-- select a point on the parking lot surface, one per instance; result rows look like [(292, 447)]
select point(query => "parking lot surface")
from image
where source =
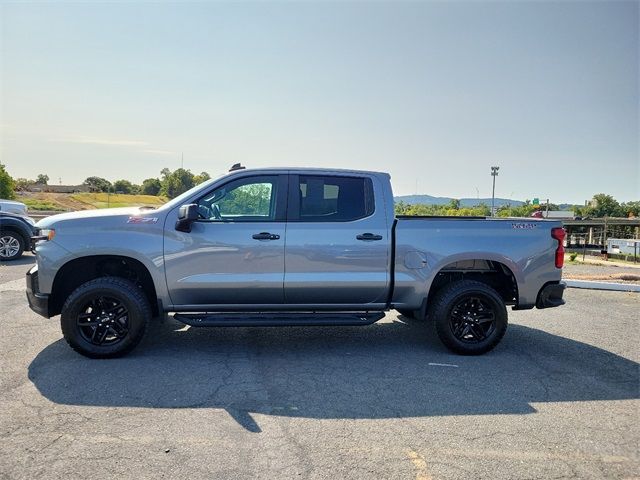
[(558, 398)]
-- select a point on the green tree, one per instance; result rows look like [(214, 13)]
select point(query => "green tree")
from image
[(124, 186), (97, 184), (254, 199), (7, 185), (401, 208), (451, 209), (203, 177), (176, 182), (42, 179), (631, 209), (454, 204), (151, 186), (604, 205)]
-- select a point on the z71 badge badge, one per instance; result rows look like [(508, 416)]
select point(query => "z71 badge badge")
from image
[(142, 220)]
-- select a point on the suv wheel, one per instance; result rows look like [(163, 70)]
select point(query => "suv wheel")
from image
[(11, 245), (105, 317)]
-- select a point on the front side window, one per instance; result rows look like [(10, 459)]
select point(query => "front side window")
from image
[(246, 199), (334, 199)]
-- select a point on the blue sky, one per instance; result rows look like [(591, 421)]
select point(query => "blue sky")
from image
[(434, 93)]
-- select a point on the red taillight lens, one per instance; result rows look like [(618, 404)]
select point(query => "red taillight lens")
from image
[(559, 234)]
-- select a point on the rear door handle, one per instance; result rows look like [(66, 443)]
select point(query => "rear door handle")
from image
[(368, 237), (265, 236)]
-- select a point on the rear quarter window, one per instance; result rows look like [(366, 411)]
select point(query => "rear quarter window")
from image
[(334, 199)]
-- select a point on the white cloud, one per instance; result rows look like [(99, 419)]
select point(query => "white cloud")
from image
[(102, 141)]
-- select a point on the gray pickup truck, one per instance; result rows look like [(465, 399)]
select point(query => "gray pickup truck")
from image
[(276, 247)]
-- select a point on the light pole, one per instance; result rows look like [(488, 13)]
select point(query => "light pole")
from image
[(494, 174)]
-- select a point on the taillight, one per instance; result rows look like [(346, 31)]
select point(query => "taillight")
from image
[(559, 234)]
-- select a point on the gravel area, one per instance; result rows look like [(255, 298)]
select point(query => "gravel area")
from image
[(590, 271)]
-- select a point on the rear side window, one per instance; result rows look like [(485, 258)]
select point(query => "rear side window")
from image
[(334, 199)]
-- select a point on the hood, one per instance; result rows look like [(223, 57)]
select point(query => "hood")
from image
[(92, 214), (11, 206)]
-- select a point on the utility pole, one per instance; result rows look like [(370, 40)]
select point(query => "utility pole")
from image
[(182, 160), (494, 174)]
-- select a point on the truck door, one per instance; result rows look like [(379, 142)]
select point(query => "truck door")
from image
[(338, 241), (234, 253)]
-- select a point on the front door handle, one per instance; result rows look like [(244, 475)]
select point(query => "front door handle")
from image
[(368, 237), (265, 236)]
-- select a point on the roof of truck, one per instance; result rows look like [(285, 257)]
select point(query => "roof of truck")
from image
[(309, 169)]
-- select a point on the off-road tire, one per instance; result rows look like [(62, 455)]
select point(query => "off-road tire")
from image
[(124, 291), (457, 293)]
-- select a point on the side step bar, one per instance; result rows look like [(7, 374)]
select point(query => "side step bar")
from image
[(278, 319)]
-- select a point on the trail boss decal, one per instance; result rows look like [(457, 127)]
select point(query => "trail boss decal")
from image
[(142, 220), (525, 226)]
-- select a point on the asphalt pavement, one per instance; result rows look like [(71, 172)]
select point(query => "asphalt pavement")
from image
[(558, 398)]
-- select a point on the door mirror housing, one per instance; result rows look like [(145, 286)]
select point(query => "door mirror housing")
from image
[(186, 216)]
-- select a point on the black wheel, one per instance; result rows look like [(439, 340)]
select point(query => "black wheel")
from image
[(470, 317), (407, 313), (11, 245), (105, 317)]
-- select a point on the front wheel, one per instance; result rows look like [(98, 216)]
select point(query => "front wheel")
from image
[(105, 317), (470, 317), (11, 245)]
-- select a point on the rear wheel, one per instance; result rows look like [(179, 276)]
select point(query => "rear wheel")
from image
[(105, 317), (470, 317), (11, 245)]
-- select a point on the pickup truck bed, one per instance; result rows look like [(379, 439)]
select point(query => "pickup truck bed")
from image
[(498, 251)]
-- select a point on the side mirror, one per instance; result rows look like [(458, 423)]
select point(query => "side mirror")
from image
[(186, 216)]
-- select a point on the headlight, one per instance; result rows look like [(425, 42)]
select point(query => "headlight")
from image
[(47, 232)]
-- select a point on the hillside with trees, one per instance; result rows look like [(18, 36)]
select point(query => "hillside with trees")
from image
[(170, 184)]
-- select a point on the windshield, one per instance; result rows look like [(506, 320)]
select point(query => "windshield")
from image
[(180, 199)]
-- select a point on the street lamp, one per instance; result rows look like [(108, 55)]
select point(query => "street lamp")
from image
[(494, 174)]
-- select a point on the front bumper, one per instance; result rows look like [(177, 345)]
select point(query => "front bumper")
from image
[(38, 302), (551, 295)]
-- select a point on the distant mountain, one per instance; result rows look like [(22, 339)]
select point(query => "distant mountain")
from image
[(464, 202)]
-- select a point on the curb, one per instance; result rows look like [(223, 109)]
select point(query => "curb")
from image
[(591, 285)]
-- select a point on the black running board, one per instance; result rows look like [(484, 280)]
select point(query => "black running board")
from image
[(278, 319)]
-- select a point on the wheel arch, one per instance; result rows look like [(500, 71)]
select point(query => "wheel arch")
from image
[(495, 273), (8, 227), (83, 269)]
